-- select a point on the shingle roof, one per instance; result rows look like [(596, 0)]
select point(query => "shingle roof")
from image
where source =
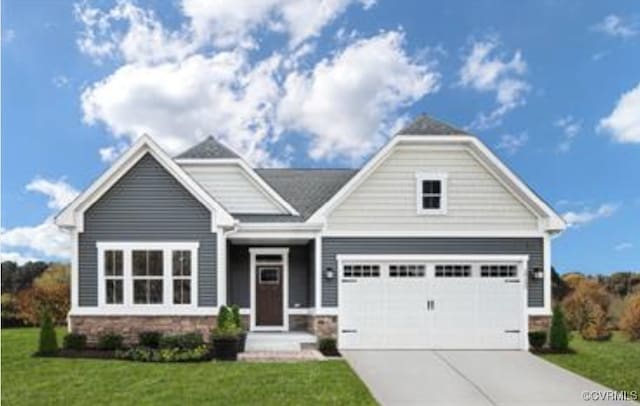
[(425, 125), (210, 148), (305, 189)]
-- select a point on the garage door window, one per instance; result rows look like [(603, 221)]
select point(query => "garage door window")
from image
[(498, 271), (361, 271), (406, 271), (453, 271)]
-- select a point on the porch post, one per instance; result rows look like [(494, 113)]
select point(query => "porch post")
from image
[(318, 273), (221, 273)]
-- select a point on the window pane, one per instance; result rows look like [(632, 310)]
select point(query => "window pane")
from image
[(181, 291), (140, 291), (155, 291), (431, 202), (108, 262), (155, 263), (181, 263), (113, 263), (114, 291), (139, 263), (431, 187)]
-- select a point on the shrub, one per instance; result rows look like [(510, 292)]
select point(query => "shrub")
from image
[(110, 341), (150, 339), (187, 341), (595, 325), (537, 339), (145, 354), (630, 318), (73, 341), (225, 317), (558, 337), (235, 312), (328, 346), (48, 341), (576, 304), (49, 292)]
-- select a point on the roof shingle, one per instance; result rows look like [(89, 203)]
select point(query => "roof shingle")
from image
[(425, 125), (210, 148)]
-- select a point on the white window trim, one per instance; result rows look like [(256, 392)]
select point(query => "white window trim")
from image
[(284, 252), (442, 178), (167, 306)]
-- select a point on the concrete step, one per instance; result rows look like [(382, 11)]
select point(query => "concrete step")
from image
[(279, 341)]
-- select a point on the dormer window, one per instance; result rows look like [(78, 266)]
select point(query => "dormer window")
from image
[(431, 193)]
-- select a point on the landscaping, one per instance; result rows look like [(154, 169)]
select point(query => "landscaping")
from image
[(29, 380), (614, 363)]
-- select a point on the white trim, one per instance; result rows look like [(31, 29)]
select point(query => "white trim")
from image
[(553, 222), (275, 235), (300, 311), (430, 258), (73, 214), (221, 269), (157, 311), (128, 306), (318, 272), (256, 179), (436, 233), (286, 226), (431, 176), (74, 269), (284, 252)]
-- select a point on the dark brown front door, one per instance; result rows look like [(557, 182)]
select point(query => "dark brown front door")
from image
[(269, 295)]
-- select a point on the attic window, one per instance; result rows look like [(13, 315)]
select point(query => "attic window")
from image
[(431, 193)]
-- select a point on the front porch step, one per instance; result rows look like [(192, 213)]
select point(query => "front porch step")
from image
[(279, 341), (281, 356)]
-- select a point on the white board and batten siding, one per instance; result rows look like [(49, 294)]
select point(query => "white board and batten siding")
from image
[(476, 200), (233, 188)]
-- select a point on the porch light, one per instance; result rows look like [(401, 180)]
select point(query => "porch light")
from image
[(536, 273), (328, 273)]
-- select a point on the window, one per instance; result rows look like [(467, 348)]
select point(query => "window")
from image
[(361, 271), (147, 267), (453, 271), (406, 271), (498, 271), (269, 276), (181, 275), (431, 193), (113, 277)]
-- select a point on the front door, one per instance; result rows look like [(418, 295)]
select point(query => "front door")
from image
[(269, 295)]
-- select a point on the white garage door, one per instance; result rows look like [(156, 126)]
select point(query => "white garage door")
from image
[(422, 303)]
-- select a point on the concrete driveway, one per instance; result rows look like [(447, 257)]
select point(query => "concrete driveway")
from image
[(468, 378)]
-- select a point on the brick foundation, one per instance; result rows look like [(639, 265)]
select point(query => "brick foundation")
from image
[(130, 326), (325, 326), (539, 323)]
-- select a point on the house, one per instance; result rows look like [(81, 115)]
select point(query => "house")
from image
[(433, 243)]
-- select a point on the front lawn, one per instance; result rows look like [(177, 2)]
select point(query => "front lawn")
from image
[(27, 380), (614, 363)]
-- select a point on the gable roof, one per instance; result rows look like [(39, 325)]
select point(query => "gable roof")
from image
[(210, 148), (306, 190), (425, 125), (73, 214)]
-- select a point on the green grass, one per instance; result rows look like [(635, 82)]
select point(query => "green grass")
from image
[(28, 380), (614, 363)]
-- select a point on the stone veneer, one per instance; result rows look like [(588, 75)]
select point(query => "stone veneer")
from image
[(130, 326), (539, 323), (325, 326)]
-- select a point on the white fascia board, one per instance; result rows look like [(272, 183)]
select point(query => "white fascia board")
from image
[(73, 215), (253, 177), (553, 222), (278, 226)]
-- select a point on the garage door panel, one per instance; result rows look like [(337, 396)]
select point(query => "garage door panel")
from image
[(404, 315)]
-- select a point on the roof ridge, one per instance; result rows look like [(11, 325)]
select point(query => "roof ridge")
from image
[(209, 148), (425, 124)]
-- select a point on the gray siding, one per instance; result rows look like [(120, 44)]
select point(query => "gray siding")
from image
[(300, 275), (507, 246), (147, 204)]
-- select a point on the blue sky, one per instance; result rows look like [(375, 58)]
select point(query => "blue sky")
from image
[(552, 87)]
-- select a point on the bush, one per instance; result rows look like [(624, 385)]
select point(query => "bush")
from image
[(578, 304), (237, 319), (49, 292), (630, 318), (537, 339), (328, 346), (558, 336), (595, 325), (73, 341), (110, 341), (145, 354), (150, 339), (225, 317), (48, 341), (187, 341)]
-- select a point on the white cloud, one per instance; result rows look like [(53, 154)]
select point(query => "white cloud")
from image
[(623, 246), (488, 71), (17, 257), (59, 192), (44, 239), (183, 95), (623, 124), (60, 81), (570, 129), (512, 143), (9, 36), (585, 216), (110, 154), (617, 26), (347, 103)]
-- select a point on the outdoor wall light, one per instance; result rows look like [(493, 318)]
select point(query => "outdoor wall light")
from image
[(537, 273), (329, 274)]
